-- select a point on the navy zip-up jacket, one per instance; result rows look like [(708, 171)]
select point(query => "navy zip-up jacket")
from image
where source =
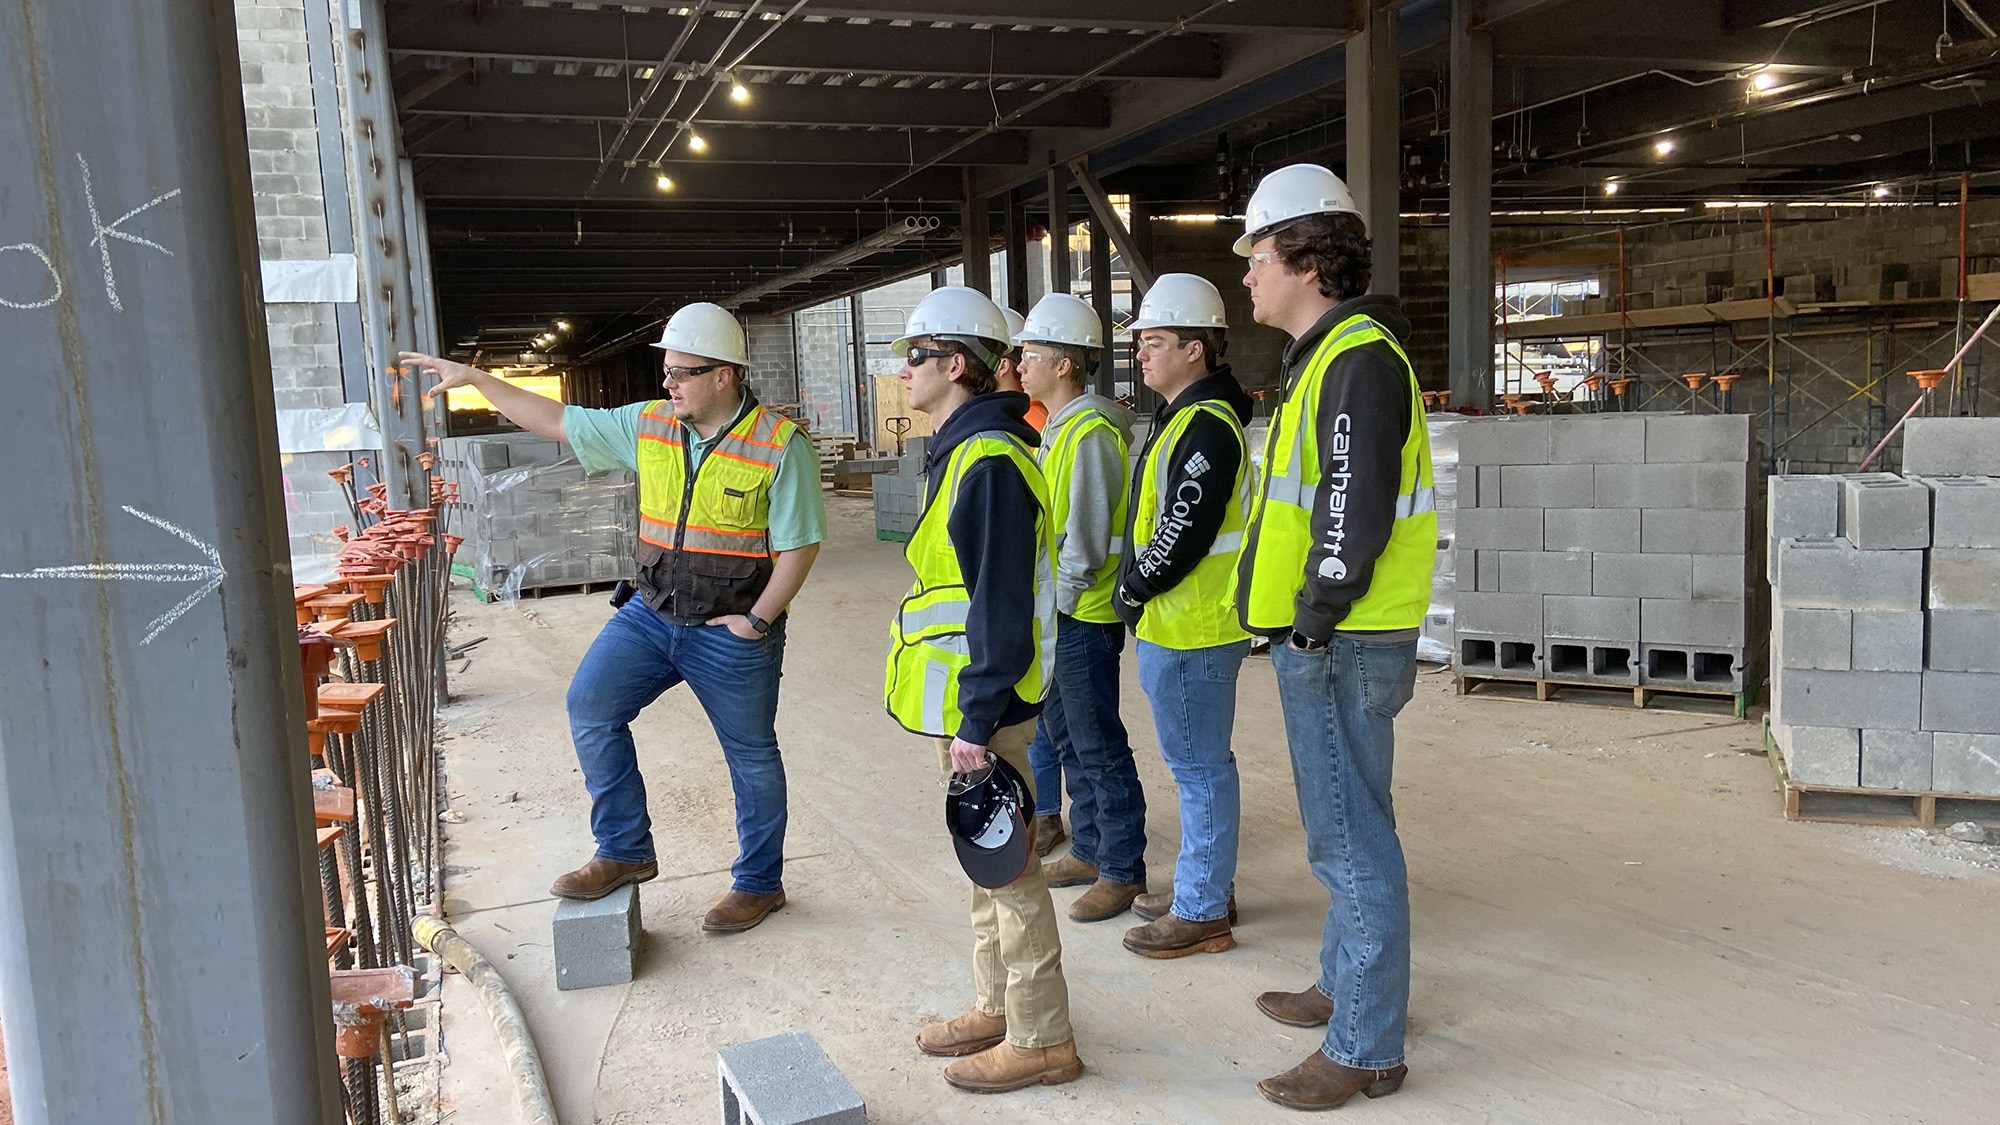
[(992, 529)]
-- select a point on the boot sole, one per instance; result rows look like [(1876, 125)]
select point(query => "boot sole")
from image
[(1077, 881), (1100, 917), (1046, 1078), (1221, 943), (629, 880), (960, 1050), (739, 927), (1380, 1089)]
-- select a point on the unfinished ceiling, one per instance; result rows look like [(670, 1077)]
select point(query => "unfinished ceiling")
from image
[(793, 130)]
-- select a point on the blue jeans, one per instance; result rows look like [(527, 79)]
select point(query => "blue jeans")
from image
[(1193, 693), (1107, 810), (637, 657), (1340, 707), (1047, 762)]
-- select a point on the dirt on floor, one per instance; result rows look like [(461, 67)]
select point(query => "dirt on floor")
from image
[(1613, 921)]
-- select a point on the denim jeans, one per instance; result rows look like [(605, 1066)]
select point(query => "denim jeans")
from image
[(1047, 763), (1340, 707), (1193, 694), (638, 656), (1107, 810)]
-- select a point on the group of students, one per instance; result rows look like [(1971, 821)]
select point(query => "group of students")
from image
[(1035, 554)]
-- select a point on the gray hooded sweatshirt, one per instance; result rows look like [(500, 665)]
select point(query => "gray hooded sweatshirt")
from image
[(1086, 542)]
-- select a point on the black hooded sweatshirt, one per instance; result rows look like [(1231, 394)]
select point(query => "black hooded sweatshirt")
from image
[(992, 529), (1364, 417), (1207, 452)]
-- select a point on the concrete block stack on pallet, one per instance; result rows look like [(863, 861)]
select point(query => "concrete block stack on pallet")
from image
[(533, 520), (1886, 633), (1612, 549), (899, 495)]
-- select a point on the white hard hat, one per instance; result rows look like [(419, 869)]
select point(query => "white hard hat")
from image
[(1181, 300), (706, 330), (1015, 322), (963, 314), (1293, 192), (1060, 318)]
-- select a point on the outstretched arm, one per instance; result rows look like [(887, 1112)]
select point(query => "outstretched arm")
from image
[(522, 407)]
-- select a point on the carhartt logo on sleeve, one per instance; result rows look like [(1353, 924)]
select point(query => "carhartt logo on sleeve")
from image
[(1333, 568)]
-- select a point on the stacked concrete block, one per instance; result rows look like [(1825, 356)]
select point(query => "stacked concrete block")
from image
[(531, 517), (1885, 638), (1615, 549), (900, 495)]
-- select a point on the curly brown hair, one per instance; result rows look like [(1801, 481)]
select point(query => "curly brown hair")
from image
[(1336, 246)]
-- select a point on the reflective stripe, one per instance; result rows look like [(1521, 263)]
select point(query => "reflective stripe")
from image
[(937, 684), (1415, 503), (1118, 544), (1289, 490), (952, 612), (1226, 544)]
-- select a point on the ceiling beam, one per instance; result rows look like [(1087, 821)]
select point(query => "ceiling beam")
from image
[(1328, 17), (485, 138), (493, 93), (591, 38), (694, 183)]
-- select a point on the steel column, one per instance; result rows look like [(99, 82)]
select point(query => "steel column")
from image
[(382, 243), (1106, 216), (1470, 257), (1016, 238), (864, 409), (160, 929), (1374, 141), (975, 238), (1059, 259), (1100, 296)]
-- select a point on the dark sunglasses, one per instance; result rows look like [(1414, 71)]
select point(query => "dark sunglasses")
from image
[(919, 356)]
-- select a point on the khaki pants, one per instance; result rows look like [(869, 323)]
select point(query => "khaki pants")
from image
[(1016, 951)]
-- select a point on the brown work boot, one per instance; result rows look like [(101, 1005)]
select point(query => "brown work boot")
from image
[(1310, 1008), (1157, 904), (1048, 833), (1005, 1067), (1069, 871), (1321, 1083), (1175, 936), (1104, 899), (737, 911), (968, 1034), (600, 877)]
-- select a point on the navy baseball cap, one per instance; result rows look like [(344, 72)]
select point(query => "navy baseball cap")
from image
[(986, 813)]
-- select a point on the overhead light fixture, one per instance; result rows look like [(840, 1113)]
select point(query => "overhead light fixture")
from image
[(1664, 146), (1883, 191), (1611, 187), (1761, 81), (562, 325), (738, 92), (696, 143), (664, 183)]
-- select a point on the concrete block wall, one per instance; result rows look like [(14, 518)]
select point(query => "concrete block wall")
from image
[(283, 135), (1885, 641), (774, 369), (1610, 548)]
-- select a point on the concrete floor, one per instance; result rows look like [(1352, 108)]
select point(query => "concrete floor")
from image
[(1614, 923)]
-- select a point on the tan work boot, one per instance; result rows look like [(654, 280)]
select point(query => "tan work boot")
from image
[(1104, 899), (600, 877), (1005, 1067), (737, 911), (1321, 1083), (1048, 833), (1175, 936), (1310, 1008), (1069, 871), (968, 1034), (1157, 904)]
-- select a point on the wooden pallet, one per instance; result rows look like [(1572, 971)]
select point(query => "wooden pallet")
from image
[(893, 536), (1884, 808), (1736, 703)]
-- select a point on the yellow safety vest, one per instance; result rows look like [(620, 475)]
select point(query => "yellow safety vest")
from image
[(928, 647), (1272, 570), (1058, 460), (1200, 611), (726, 508)]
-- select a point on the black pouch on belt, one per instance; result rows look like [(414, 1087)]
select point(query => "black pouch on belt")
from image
[(622, 593)]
